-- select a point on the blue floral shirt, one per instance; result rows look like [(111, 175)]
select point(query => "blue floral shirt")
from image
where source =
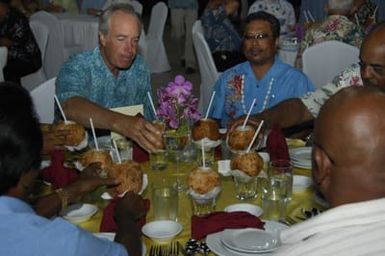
[(237, 87), (183, 4), (219, 32), (86, 75)]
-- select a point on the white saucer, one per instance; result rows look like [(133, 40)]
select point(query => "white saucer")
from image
[(162, 230), (250, 208), (77, 213)]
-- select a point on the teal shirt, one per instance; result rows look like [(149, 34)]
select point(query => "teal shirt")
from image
[(183, 4), (86, 75)]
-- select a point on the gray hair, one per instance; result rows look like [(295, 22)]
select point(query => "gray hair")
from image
[(104, 19), (340, 6)]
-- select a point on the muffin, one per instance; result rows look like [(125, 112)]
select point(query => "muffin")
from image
[(203, 180), (130, 176), (76, 132), (206, 128), (250, 163), (96, 156)]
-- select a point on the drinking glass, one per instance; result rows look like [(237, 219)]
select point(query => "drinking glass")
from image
[(282, 170), (164, 201), (273, 196)]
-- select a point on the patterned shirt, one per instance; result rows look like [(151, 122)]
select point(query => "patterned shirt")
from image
[(219, 32), (335, 27), (281, 9), (364, 13), (16, 27), (183, 4), (349, 77), (237, 87), (86, 75)]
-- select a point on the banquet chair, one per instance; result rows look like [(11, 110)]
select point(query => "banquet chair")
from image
[(40, 31), (208, 71), (323, 61), (43, 100), (155, 55), (57, 52)]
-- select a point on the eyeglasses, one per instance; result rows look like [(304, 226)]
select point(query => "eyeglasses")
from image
[(256, 36)]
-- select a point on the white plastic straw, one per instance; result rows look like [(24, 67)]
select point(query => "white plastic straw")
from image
[(203, 155), (306, 17), (248, 113), (60, 108), (152, 103), (255, 136), (211, 102), (310, 16), (117, 151), (93, 133)]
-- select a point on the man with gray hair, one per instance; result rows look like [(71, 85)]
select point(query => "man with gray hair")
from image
[(112, 75), (336, 26)]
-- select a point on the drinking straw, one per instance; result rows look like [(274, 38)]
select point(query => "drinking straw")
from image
[(203, 155), (60, 108), (117, 151), (310, 15), (255, 136), (306, 17), (152, 103), (93, 133), (211, 101), (248, 113)]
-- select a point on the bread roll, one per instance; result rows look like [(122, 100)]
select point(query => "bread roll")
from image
[(240, 138), (203, 181), (76, 132), (130, 176), (206, 128), (250, 163), (96, 156)]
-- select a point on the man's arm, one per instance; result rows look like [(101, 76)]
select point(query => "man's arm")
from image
[(136, 128)]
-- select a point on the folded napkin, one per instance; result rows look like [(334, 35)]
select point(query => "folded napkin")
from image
[(276, 144), (108, 223), (57, 174), (218, 221), (138, 154)]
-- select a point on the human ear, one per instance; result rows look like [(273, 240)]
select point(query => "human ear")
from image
[(102, 39), (321, 168)]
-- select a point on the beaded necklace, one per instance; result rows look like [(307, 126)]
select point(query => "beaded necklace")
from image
[(269, 89)]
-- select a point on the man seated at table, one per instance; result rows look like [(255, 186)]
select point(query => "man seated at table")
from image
[(24, 56), (26, 233), (281, 9), (370, 72), (263, 77), (112, 75), (348, 168), (336, 26)]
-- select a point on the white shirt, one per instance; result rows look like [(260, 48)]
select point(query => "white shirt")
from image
[(351, 229)]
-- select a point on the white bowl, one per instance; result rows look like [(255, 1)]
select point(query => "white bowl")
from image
[(301, 182), (250, 208), (162, 230), (79, 212)]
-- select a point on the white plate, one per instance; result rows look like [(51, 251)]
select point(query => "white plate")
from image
[(249, 240), (107, 196), (162, 230), (111, 236), (214, 241), (301, 165), (77, 213), (300, 154), (250, 208), (301, 182)]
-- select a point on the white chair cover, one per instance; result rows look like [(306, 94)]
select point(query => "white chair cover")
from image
[(208, 71), (138, 7), (3, 61), (323, 61), (43, 100), (156, 56), (40, 31), (56, 52)]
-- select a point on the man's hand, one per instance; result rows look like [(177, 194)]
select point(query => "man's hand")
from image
[(130, 206), (53, 139)]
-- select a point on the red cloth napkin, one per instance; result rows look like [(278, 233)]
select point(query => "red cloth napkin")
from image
[(218, 221), (108, 223), (276, 144), (57, 174), (139, 155)]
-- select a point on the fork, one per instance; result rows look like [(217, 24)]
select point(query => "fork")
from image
[(155, 250)]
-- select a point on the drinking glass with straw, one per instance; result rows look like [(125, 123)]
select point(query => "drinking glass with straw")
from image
[(210, 103)]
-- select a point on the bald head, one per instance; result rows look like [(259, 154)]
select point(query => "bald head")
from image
[(372, 57), (349, 151)]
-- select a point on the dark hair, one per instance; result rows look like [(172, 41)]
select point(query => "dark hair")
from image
[(20, 135), (261, 15)]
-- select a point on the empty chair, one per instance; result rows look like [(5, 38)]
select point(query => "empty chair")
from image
[(155, 55), (56, 52), (207, 68), (43, 100), (323, 61), (40, 31)]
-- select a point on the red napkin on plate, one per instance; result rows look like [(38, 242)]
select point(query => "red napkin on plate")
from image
[(276, 144), (108, 223), (57, 174), (218, 221)]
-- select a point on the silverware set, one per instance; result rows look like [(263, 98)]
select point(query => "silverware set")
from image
[(171, 249), (305, 214)]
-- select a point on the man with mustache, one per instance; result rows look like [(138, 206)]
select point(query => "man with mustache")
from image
[(263, 77), (112, 75)]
